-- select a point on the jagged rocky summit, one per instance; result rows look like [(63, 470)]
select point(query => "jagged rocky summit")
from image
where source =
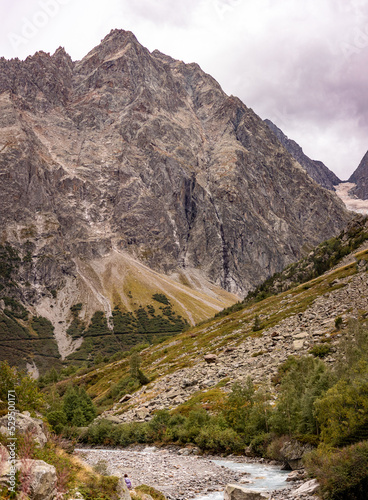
[(315, 168), (360, 178), (133, 152)]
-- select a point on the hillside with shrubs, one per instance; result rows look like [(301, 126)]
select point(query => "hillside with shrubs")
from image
[(289, 367)]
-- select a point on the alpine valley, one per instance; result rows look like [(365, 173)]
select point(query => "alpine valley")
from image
[(174, 271)]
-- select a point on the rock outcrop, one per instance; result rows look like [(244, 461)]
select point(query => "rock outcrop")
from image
[(293, 453), (122, 489), (26, 424), (360, 178), (40, 476), (237, 492), (316, 169)]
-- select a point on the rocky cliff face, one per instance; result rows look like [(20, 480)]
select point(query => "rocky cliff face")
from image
[(316, 169), (360, 178), (131, 151)]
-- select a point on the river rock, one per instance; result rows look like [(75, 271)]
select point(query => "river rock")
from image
[(43, 486), (307, 488), (295, 475), (237, 492)]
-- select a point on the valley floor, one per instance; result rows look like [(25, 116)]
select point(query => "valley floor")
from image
[(178, 476)]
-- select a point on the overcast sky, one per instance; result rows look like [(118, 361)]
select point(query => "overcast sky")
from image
[(301, 63)]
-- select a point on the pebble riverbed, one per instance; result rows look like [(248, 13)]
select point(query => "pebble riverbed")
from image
[(177, 476)]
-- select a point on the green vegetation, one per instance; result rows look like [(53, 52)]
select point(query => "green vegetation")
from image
[(21, 344), (74, 409), (160, 297), (27, 393), (71, 475), (338, 323), (325, 406), (15, 309), (342, 474), (22, 339), (128, 384), (126, 329), (320, 350), (149, 490), (257, 324)]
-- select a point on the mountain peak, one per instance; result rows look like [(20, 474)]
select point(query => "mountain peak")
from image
[(314, 168), (119, 36), (359, 177)]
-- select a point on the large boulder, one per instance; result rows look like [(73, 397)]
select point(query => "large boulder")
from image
[(293, 453), (25, 423), (237, 492), (43, 485), (43, 478), (210, 358)]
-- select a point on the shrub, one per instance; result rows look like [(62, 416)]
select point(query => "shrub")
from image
[(99, 488), (214, 438), (338, 322), (57, 419), (320, 350), (149, 490), (160, 297), (257, 324), (260, 443), (28, 395), (100, 433), (341, 474)]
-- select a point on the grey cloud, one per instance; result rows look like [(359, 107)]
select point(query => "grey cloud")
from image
[(165, 11)]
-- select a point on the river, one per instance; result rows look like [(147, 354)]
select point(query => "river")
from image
[(261, 477), (183, 477)]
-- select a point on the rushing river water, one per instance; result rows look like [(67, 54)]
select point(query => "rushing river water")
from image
[(262, 477)]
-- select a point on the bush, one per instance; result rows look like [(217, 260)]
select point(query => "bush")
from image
[(338, 322), (100, 488), (28, 396), (214, 438), (57, 419), (260, 443), (257, 324), (149, 490), (100, 433), (342, 474), (157, 426), (320, 350)]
